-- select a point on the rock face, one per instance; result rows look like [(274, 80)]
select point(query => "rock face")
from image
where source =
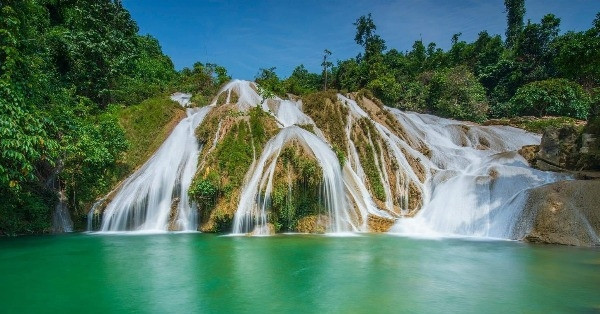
[(558, 148), (568, 148), (566, 212)]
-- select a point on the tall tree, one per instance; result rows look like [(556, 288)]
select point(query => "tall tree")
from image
[(326, 64), (365, 29), (515, 11)]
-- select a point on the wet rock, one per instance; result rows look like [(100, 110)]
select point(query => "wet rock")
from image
[(529, 152), (566, 212), (173, 225), (379, 224), (313, 224), (557, 149)]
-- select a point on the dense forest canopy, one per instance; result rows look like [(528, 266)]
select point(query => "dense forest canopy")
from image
[(70, 68), (66, 69)]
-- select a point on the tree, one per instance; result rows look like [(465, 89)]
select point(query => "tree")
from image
[(365, 30), (302, 82), (268, 80), (533, 48), (578, 55), (515, 11), (556, 97), (456, 93), (326, 64), (366, 37)]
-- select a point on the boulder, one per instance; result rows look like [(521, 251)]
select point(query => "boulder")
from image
[(529, 152), (557, 149), (379, 224), (565, 212)]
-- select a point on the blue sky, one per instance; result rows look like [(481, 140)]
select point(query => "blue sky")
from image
[(244, 36)]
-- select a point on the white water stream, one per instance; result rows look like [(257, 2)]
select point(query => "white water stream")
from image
[(147, 197)]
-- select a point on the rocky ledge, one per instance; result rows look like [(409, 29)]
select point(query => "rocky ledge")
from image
[(566, 212)]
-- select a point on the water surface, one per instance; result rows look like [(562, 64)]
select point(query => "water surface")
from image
[(183, 273)]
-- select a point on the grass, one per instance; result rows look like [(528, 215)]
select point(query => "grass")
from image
[(146, 126), (329, 116)]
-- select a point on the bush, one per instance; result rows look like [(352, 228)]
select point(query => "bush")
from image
[(386, 88), (555, 97), (413, 96), (456, 93)]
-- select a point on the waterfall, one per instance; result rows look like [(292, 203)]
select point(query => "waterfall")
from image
[(61, 220), (480, 182), (437, 176), (251, 215), (148, 197)]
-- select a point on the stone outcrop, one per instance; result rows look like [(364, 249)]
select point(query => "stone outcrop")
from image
[(529, 152), (558, 149), (566, 212), (379, 224)]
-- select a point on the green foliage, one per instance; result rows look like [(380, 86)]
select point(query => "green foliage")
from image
[(27, 211), (578, 55), (202, 80), (456, 93), (269, 82), (296, 190), (302, 82), (515, 11), (348, 75), (152, 72), (557, 97), (413, 96), (368, 151), (91, 148), (233, 154), (204, 193), (62, 63), (386, 88), (23, 140)]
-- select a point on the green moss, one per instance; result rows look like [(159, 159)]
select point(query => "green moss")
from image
[(222, 99), (308, 127), (225, 166), (330, 116), (233, 98), (146, 127), (296, 189), (200, 100), (367, 154)]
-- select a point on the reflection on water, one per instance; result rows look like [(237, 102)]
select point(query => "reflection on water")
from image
[(291, 274)]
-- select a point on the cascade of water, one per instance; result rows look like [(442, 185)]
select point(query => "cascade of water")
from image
[(61, 220), (395, 146), (247, 94), (93, 215), (182, 98), (466, 180), (251, 215), (146, 198), (479, 181)]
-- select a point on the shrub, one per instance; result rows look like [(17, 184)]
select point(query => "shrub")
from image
[(456, 93), (556, 97)]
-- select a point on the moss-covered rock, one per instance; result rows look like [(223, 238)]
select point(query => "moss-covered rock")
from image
[(330, 116), (297, 188), (231, 140)]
